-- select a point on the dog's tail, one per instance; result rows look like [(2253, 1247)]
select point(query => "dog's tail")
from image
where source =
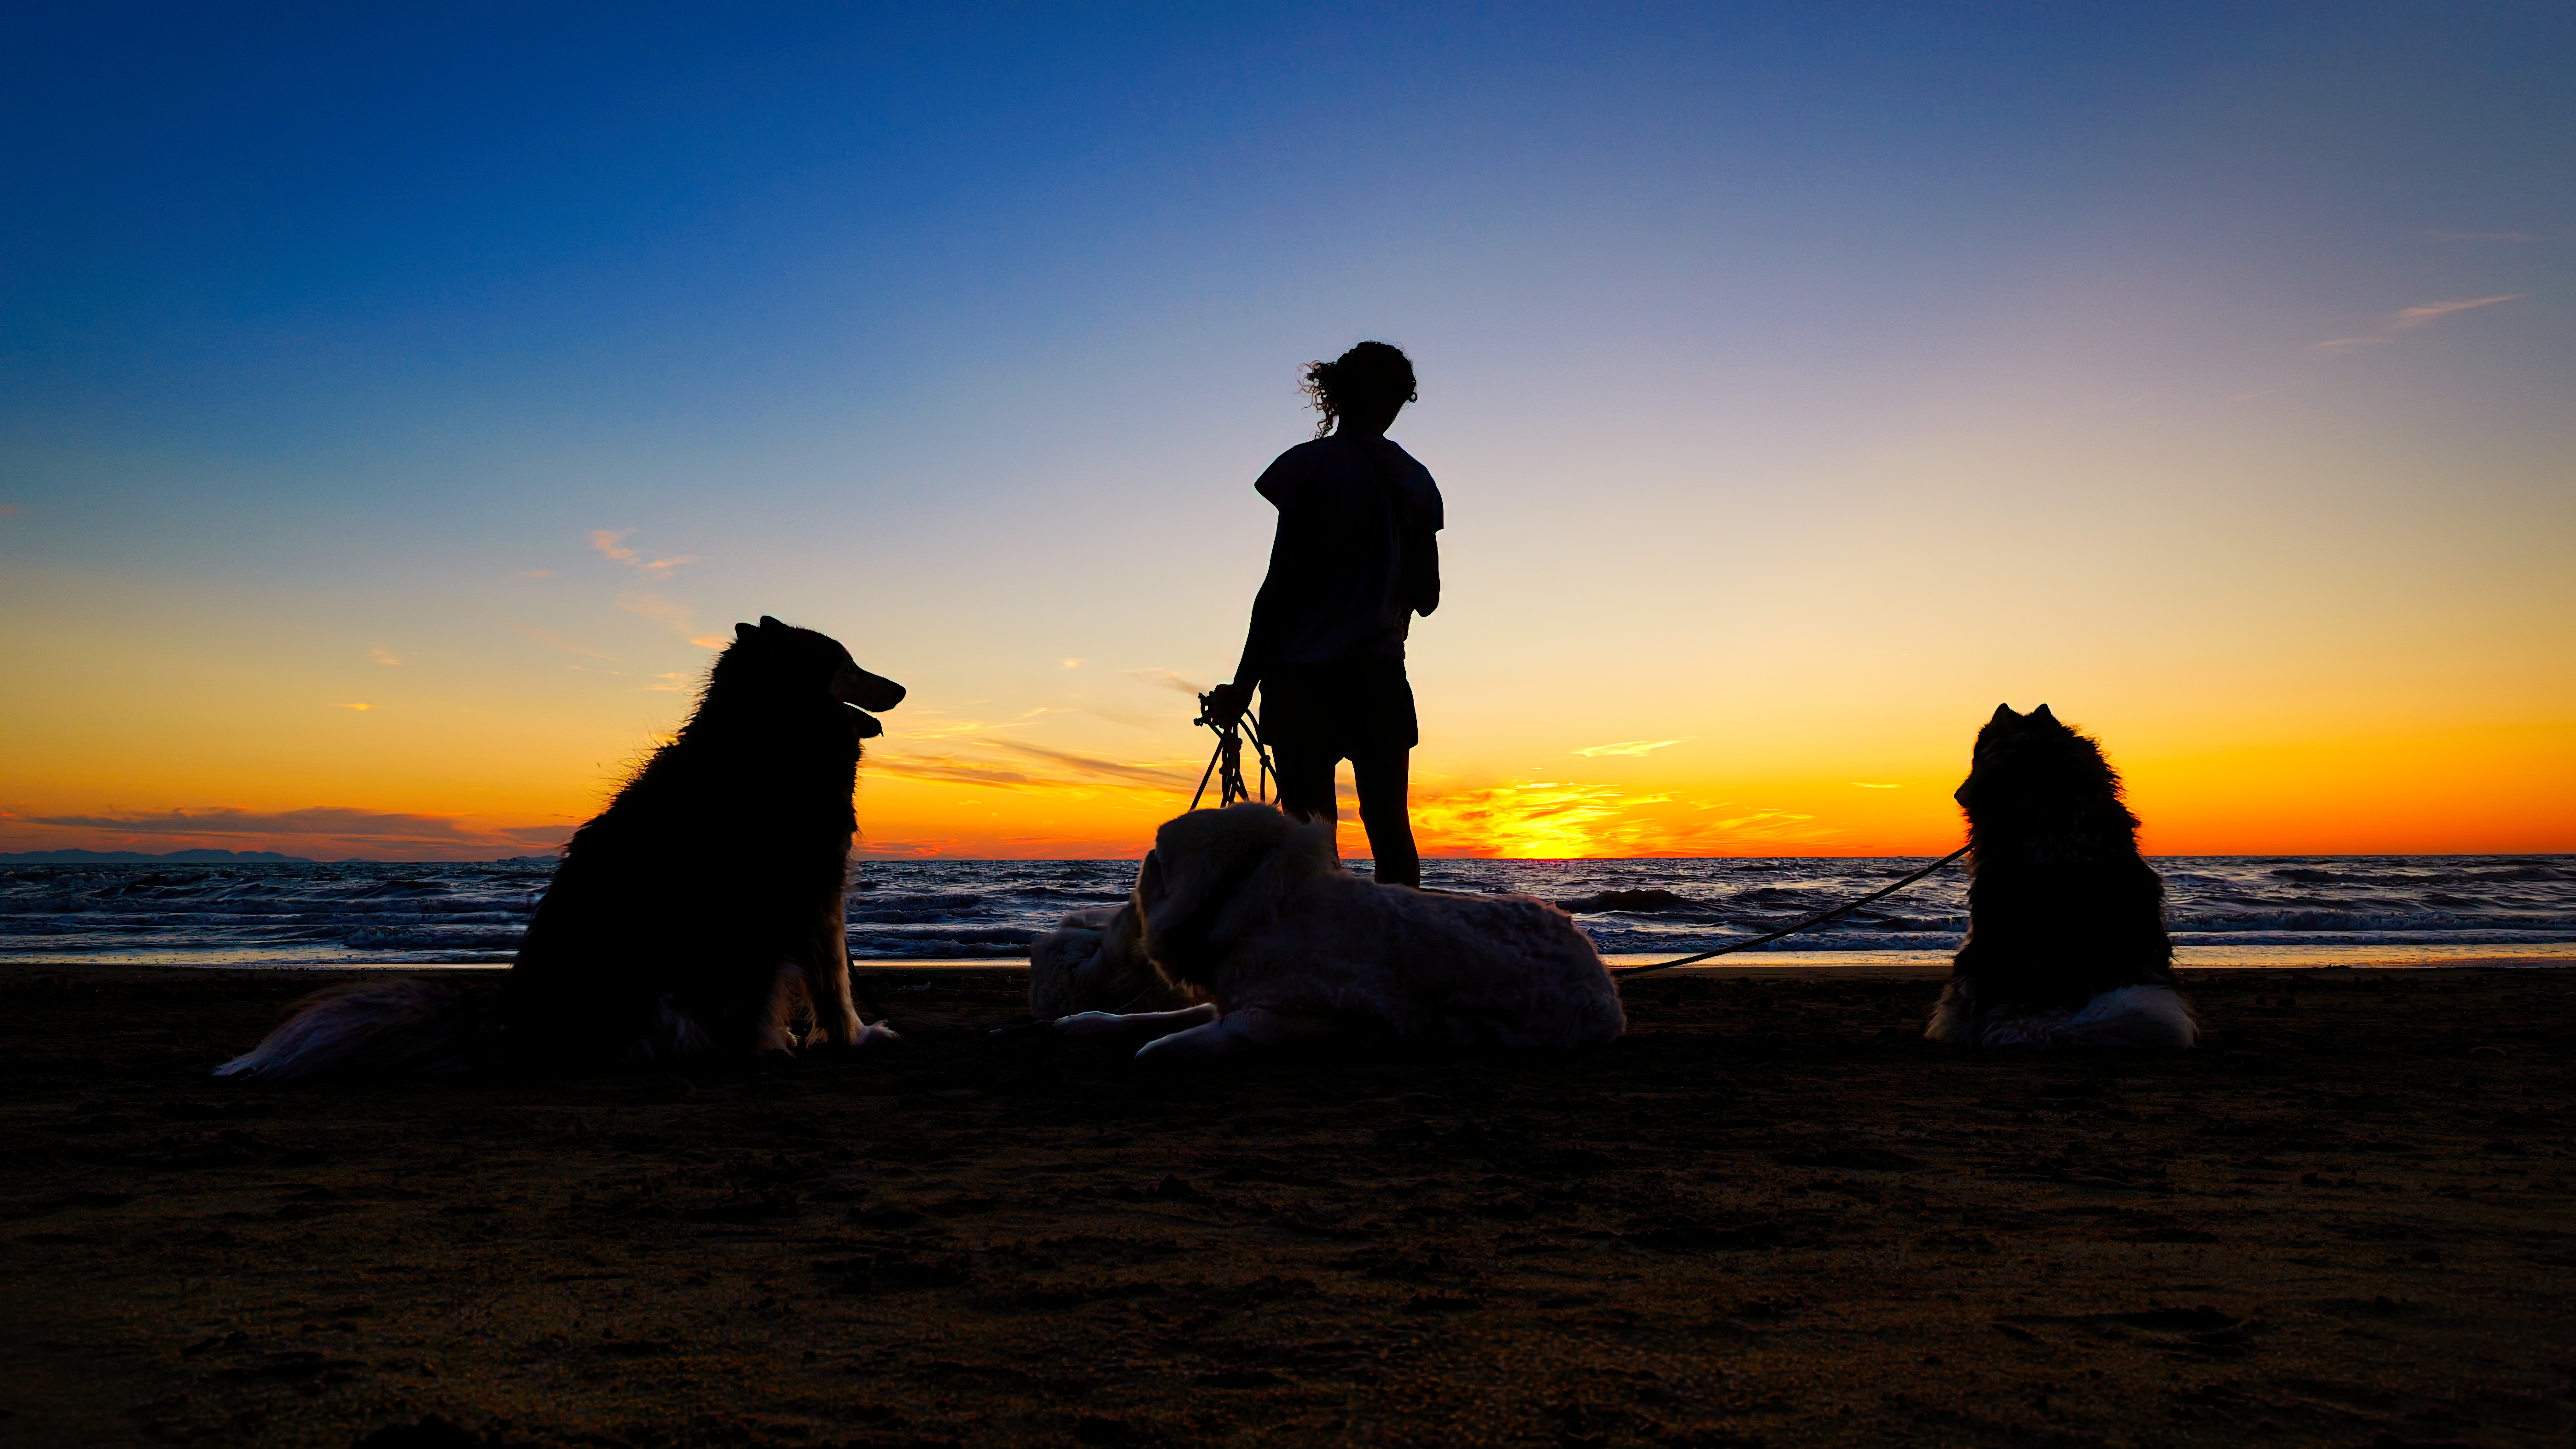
[(2138, 1016), (405, 1026)]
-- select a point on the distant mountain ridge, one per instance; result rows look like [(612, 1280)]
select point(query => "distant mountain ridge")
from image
[(120, 857)]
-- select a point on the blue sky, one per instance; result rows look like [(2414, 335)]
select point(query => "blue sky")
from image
[(1746, 333)]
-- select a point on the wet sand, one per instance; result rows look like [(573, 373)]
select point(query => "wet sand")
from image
[(1770, 1215)]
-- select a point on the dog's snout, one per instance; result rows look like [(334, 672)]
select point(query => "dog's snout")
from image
[(854, 685)]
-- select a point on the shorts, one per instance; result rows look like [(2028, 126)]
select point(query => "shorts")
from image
[(1348, 709)]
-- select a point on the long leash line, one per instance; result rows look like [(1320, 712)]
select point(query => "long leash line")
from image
[(1225, 766), (1834, 914)]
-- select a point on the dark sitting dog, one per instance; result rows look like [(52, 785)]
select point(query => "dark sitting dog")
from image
[(2066, 935), (700, 912)]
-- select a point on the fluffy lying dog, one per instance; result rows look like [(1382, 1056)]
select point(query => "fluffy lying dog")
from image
[(1255, 911), (1095, 961), (700, 912), (2066, 936)]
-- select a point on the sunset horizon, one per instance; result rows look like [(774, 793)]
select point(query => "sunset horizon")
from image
[(1799, 391), (640, 643)]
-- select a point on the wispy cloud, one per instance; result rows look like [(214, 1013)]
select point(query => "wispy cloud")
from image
[(1171, 679), (933, 726), (326, 820), (645, 602), (1873, 785), (920, 849), (313, 830), (1150, 723), (682, 617), (959, 770), (611, 546), (2407, 319), (653, 606), (360, 708), (1075, 663), (1151, 774), (547, 637), (2435, 311), (673, 682), (384, 655), (1632, 747), (8, 509), (1034, 767)]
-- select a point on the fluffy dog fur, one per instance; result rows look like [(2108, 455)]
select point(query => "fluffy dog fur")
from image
[(2066, 938), (1095, 961), (700, 912), (1255, 911)]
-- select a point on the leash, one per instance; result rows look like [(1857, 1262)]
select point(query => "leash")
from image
[(1836, 913), (1226, 765)]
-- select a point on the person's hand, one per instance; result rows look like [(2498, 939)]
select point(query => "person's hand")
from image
[(1224, 705)]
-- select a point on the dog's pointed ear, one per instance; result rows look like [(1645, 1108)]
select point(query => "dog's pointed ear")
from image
[(742, 632), (2004, 714), (767, 622), (2042, 713), (1148, 890)]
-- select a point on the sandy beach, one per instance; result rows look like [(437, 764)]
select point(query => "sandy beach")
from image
[(1770, 1215)]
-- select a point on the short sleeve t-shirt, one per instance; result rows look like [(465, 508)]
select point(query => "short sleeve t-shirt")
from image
[(1347, 506)]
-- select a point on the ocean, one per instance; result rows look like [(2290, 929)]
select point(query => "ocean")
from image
[(2411, 910)]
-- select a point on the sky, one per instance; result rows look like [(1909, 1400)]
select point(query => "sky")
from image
[(398, 404)]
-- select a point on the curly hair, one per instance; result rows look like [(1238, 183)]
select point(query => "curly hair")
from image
[(1372, 377)]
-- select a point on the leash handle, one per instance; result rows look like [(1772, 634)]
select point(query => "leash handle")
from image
[(1225, 765)]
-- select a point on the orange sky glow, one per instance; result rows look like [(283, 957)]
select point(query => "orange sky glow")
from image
[(1798, 391)]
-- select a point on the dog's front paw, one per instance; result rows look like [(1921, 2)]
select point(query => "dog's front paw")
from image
[(1090, 1024), (1132, 1026), (875, 1034)]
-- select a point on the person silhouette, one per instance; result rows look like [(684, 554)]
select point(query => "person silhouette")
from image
[(1356, 556)]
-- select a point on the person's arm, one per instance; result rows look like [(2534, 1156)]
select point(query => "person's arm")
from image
[(1430, 516), (1260, 638)]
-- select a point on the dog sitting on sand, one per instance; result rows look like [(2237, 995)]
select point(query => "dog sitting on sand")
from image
[(2066, 936), (1255, 911), (702, 911)]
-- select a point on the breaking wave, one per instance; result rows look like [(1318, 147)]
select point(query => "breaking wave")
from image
[(472, 914)]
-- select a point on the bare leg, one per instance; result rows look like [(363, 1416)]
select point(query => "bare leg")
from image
[(1382, 779), (1305, 782)]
